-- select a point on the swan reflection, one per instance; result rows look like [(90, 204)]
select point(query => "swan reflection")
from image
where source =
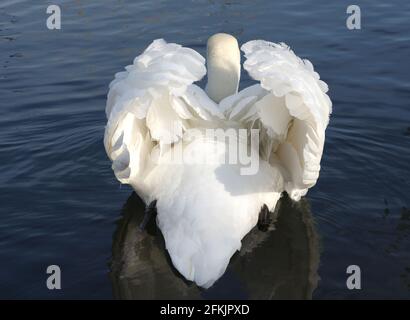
[(280, 263)]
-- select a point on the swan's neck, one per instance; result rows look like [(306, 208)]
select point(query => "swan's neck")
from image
[(223, 80), (224, 67)]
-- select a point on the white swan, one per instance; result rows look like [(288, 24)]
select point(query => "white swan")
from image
[(206, 204)]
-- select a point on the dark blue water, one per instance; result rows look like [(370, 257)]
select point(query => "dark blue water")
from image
[(60, 202)]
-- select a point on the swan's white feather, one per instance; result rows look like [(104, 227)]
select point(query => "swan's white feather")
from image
[(205, 207), (141, 104), (297, 101)]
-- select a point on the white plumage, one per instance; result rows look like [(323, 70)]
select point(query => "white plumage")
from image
[(207, 205)]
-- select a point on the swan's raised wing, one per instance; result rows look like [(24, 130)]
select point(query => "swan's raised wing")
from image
[(291, 109), (151, 103)]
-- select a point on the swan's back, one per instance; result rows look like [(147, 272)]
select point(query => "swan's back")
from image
[(207, 205)]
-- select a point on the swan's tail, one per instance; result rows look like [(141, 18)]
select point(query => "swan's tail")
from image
[(204, 211)]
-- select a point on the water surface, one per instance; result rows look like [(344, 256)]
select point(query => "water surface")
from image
[(61, 204)]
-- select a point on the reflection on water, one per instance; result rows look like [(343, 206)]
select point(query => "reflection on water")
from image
[(280, 263)]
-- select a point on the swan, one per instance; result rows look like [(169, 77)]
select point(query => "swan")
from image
[(206, 196)]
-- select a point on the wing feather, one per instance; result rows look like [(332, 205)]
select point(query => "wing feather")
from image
[(149, 103), (295, 112)]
